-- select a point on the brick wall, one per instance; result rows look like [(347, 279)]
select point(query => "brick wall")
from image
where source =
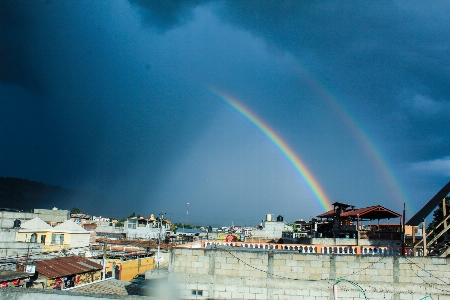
[(246, 274)]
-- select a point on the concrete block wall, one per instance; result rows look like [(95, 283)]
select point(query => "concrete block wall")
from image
[(247, 274)]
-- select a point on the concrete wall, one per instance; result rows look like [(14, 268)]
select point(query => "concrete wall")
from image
[(9, 248), (145, 233), (271, 230), (245, 274), (349, 241), (53, 216), (13, 250), (108, 229), (7, 218)]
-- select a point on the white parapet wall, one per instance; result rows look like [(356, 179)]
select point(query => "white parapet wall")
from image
[(256, 274)]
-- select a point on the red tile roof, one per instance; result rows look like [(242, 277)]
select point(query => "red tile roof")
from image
[(65, 266), (371, 212)]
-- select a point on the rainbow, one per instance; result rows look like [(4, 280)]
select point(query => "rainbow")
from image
[(296, 162), (356, 128)]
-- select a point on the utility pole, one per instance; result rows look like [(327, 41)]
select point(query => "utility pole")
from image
[(105, 242), (161, 218), (187, 213)]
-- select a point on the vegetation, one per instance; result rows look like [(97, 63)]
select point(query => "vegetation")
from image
[(438, 217), (75, 210)]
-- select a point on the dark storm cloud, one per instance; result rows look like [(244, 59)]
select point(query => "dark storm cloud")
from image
[(165, 15), (16, 49), (371, 53), (378, 57), (126, 111), (108, 123)]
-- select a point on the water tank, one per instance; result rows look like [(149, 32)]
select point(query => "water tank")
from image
[(280, 218), (17, 223), (269, 217)]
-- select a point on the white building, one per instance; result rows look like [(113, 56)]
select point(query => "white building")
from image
[(270, 229), (141, 228)]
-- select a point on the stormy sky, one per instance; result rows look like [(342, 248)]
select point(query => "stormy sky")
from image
[(117, 97)]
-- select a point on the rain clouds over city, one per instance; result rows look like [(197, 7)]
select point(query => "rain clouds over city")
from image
[(235, 107)]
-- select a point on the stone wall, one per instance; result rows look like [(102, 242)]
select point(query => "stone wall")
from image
[(246, 274)]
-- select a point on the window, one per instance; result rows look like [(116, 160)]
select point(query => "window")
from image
[(57, 239), (33, 238), (197, 292)]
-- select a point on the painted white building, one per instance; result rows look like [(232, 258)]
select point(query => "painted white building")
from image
[(270, 229), (141, 228), (67, 235)]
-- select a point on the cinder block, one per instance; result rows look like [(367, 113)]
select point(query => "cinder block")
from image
[(236, 295), (404, 279), (279, 262), (432, 267), (416, 280), (232, 260), (256, 290), (197, 264), (231, 288), (385, 272), (220, 272), (371, 272), (243, 289), (249, 296), (316, 264), (291, 263), (303, 292), (225, 295), (315, 276), (439, 261), (220, 259), (404, 296), (243, 273)]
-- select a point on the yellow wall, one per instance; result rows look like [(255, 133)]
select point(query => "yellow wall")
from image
[(48, 246), (131, 268), (84, 278), (25, 237)]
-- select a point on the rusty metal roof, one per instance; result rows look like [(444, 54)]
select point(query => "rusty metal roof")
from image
[(328, 214), (66, 266), (367, 213)]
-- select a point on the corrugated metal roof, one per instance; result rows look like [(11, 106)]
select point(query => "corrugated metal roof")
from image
[(109, 286), (65, 266), (11, 275)]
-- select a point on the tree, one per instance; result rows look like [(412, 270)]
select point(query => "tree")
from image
[(438, 216), (75, 210)]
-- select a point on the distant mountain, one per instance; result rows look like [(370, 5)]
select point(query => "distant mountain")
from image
[(27, 195)]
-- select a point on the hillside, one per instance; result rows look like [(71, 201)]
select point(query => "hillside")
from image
[(26, 195)]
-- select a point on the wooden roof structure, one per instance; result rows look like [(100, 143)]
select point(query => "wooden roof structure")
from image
[(376, 212), (430, 206)]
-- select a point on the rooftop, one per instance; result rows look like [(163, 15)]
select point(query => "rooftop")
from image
[(64, 266)]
